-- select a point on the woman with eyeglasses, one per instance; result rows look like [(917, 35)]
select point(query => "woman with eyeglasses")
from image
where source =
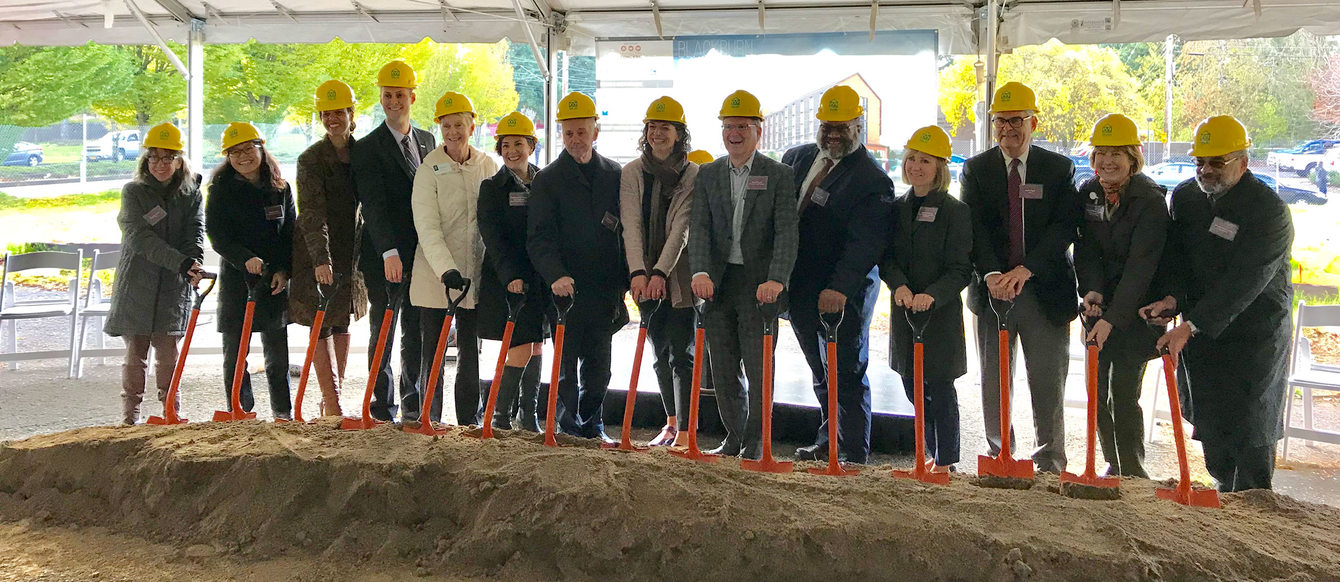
[(250, 217), (324, 245), (655, 197), (1120, 243), (927, 265), (162, 238), (504, 204)]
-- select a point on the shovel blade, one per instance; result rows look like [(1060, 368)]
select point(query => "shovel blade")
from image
[(767, 465), (158, 420), (693, 454), (225, 416), (1091, 480), (358, 423), (1004, 466), (625, 446), (924, 476), (1194, 497)]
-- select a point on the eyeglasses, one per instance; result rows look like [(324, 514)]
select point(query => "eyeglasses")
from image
[(1015, 122), (163, 159), (1216, 163), (737, 126), (246, 150), (834, 127)]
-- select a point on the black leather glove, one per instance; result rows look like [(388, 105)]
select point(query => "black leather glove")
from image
[(453, 280)]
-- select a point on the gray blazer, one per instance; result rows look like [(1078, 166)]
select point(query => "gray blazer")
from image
[(769, 235)]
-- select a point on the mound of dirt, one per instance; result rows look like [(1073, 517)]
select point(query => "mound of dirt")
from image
[(511, 509)]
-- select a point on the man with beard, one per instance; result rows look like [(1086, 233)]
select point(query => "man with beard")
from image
[(845, 205), (1025, 215), (574, 241), (1226, 268)]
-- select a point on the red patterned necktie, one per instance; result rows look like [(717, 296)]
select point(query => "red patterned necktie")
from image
[(1016, 207)]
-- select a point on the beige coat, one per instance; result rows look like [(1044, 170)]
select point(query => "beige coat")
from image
[(444, 202), (673, 260)]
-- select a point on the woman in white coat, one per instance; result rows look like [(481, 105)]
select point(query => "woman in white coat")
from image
[(446, 194)]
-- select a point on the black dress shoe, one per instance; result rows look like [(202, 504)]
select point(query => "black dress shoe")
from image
[(812, 453), (727, 449), (752, 452)]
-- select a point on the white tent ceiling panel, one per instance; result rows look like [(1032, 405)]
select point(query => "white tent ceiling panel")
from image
[(1028, 23)]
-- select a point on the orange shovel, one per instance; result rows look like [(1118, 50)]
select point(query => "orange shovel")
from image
[(1183, 493), (512, 310), (561, 307), (919, 471), (645, 309), (699, 337), (435, 374), (322, 301), (766, 463), (1083, 485), (1014, 472), (170, 403), (235, 411), (834, 468), (395, 291)]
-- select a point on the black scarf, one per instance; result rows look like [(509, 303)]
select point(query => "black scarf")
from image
[(665, 174)]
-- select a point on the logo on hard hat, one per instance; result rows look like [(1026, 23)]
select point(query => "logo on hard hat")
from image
[(660, 108), (925, 137), (395, 73), (572, 105), (1005, 96), (448, 103), (511, 122), (330, 95), (735, 103), (1205, 137), (163, 135), (1107, 130), (833, 105), (232, 133)]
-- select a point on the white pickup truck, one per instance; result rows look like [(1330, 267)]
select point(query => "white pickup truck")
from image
[(1304, 158), (115, 146)]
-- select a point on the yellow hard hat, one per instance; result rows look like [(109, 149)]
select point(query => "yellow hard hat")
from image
[(1219, 135), (452, 102), (665, 109), (741, 104), (840, 103), (931, 140), (333, 95), (238, 132), (397, 73), (700, 157), (1115, 129), (165, 136), (515, 123), (576, 106), (1014, 96)]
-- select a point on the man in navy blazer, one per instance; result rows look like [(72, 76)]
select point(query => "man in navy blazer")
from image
[(845, 206), (1025, 212), (383, 166)]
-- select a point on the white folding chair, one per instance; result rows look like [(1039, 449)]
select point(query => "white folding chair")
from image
[(12, 309), (96, 306), (1309, 376)]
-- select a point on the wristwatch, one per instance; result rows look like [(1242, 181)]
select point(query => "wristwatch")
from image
[(1191, 326)]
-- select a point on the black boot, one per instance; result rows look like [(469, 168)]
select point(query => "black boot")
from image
[(530, 392), (507, 389)]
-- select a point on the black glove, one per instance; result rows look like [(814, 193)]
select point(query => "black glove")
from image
[(453, 280)]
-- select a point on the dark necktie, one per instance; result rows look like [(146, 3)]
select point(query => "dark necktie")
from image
[(814, 184), (410, 155), (1016, 207)]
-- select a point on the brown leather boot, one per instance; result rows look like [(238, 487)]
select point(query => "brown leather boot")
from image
[(341, 354), (324, 365)]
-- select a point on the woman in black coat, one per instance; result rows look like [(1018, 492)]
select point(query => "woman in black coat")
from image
[(502, 213), (1120, 243), (249, 216), (927, 266)]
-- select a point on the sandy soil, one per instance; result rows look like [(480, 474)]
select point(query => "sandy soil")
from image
[(262, 501)]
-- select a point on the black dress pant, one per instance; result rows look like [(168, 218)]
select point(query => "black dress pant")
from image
[(584, 375), (1239, 468), (940, 411), (384, 406), (671, 333), (468, 396), (1121, 428), (275, 348)]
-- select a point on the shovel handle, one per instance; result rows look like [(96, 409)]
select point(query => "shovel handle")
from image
[(322, 297), (645, 309), (831, 323), (256, 282), (561, 306), (1003, 312), (918, 323), (515, 301), (455, 302), (201, 295), (770, 312)]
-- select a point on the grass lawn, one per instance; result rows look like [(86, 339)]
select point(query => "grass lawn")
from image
[(91, 223)]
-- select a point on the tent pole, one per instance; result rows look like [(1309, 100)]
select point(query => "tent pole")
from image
[(550, 97), (1167, 95), (988, 31), (158, 38), (195, 95)]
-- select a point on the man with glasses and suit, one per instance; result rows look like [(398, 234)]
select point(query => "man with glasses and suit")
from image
[(845, 209), (383, 166), (742, 246), (1025, 212)]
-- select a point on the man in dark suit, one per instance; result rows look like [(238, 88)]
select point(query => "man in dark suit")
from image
[(742, 246), (846, 201), (1025, 212), (1226, 267), (383, 166), (575, 242)]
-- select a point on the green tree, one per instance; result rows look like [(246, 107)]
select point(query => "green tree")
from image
[(41, 86), (478, 71), (958, 93), (156, 92), (527, 78)]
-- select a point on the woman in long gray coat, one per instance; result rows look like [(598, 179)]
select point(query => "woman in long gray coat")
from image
[(162, 238), (323, 245)]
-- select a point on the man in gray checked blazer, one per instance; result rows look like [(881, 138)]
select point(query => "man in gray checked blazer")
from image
[(742, 246)]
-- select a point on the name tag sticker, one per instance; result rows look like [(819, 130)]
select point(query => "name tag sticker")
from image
[(757, 183), (275, 212), (820, 197), (927, 214), (153, 217), (610, 221), (439, 169), (519, 198), (1095, 212), (1030, 191), (1223, 229)]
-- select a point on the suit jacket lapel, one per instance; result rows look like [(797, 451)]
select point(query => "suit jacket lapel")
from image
[(805, 161)]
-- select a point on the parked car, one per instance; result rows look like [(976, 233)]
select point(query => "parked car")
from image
[(24, 154), (955, 165), (1083, 171), (1170, 174), (1304, 158), (115, 146)]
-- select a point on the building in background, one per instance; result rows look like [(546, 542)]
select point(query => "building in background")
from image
[(795, 123)]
